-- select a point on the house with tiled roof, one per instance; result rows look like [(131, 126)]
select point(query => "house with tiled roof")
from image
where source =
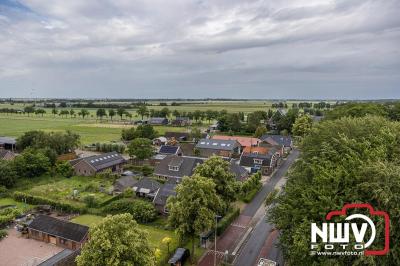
[(91, 165), (146, 187), (244, 141), (160, 200), (284, 142), (170, 150), (254, 162)]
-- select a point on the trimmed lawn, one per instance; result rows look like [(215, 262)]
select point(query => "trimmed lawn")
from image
[(87, 219)]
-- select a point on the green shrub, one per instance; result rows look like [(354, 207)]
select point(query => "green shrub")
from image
[(91, 187), (142, 211), (64, 169), (7, 215), (108, 201), (250, 195), (227, 220), (90, 201), (3, 234)]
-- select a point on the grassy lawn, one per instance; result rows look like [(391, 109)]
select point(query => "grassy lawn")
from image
[(20, 205), (61, 189), (155, 236)]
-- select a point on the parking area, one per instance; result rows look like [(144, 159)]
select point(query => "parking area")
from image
[(19, 251)]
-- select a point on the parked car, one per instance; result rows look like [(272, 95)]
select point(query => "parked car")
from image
[(179, 258)]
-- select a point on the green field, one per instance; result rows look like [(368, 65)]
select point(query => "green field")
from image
[(89, 130)]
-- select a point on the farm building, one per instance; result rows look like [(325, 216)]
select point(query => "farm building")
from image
[(181, 121), (285, 142), (94, 164), (158, 121), (58, 232), (224, 148), (8, 143)]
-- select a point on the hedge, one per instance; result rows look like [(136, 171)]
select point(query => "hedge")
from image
[(251, 194), (3, 234), (142, 211), (37, 200), (108, 201), (227, 220)]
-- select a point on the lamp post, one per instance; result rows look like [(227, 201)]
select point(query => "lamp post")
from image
[(215, 238)]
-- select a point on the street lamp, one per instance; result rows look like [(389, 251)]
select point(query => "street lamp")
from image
[(215, 238)]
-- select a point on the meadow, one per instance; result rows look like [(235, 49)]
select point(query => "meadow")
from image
[(91, 131)]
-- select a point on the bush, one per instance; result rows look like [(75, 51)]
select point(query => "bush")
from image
[(142, 211), (64, 169), (91, 187), (227, 220), (3, 234), (36, 200), (249, 196), (7, 215), (3, 192), (90, 201)]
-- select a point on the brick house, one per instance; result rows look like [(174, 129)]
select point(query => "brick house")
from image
[(89, 166)]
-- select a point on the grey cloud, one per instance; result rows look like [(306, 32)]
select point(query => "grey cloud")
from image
[(272, 49)]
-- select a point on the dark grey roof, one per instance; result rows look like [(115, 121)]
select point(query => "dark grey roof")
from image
[(182, 118), (281, 140), (217, 144), (248, 159), (167, 190), (177, 135), (7, 140), (167, 149), (102, 161), (238, 171), (158, 120), (60, 228), (187, 165), (147, 183), (124, 182), (58, 258)]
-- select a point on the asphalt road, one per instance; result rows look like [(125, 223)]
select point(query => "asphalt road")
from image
[(258, 200), (251, 250)]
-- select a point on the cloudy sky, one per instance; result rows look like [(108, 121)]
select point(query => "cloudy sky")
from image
[(197, 49)]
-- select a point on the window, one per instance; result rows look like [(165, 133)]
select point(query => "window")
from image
[(173, 168), (258, 161)]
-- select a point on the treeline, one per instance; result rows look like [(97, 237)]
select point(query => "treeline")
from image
[(389, 110)]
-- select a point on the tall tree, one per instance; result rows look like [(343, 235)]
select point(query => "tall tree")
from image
[(302, 126), (84, 113), (54, 111), (117, 240), (8, 175), (111, 113), (121, 111), (193, 209), (29, 110), (101, 112), (140, 148), (143, 111), (218, 170), (72, 112)]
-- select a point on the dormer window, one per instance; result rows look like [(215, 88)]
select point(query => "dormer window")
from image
[(173, 168), (258, 161)]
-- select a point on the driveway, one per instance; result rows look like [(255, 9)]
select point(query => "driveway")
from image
[(19, 251)]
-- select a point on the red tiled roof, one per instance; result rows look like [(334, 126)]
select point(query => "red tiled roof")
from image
[(259, 150), (244, 141)]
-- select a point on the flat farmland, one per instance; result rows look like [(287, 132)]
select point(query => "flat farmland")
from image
[(91, 131)]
